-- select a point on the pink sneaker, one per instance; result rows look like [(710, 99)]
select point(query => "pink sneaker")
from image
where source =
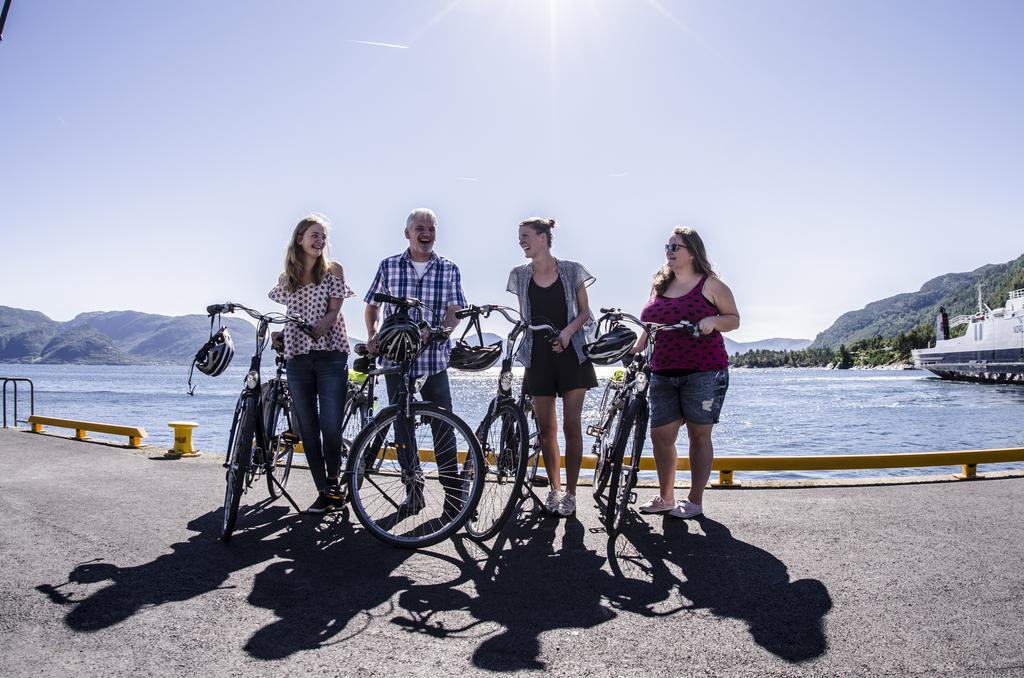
[(656, 505), (686, 509)]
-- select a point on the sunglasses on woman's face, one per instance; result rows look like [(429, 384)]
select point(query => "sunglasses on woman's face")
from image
[(675, 247)]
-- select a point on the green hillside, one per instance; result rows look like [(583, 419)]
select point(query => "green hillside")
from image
[(904, 312)]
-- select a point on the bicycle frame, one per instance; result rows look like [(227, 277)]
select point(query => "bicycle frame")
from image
[(505, 379), (252, 387)]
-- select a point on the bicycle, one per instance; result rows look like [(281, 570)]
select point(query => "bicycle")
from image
[(259, 445), (628, 409), (508, 434), (407, 491), (361, 400)]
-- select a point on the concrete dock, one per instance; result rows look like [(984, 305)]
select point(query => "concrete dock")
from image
[(112, 566)]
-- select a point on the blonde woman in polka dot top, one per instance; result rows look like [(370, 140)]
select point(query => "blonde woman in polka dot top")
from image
[(314, 287)]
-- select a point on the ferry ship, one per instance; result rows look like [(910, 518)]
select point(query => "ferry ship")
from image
[(991, 350)]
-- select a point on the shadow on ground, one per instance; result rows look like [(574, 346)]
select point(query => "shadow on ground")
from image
[(326, 581), (723, 575)]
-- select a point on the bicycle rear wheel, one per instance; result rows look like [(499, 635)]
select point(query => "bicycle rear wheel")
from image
[(503, 441), (239, 460), (281, 436), (407, 485), (622, 438), (628, 479)]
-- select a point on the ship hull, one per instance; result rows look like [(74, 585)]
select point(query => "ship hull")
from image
[(989, 373)]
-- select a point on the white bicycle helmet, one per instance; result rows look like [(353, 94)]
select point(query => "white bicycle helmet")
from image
[(399, 338), (611, 346), (216, 354)]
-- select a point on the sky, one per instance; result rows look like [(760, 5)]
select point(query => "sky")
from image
[(156, 156)]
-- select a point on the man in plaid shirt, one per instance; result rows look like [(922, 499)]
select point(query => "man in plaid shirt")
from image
[(421, 274)]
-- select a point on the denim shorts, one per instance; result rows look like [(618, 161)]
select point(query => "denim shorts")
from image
[(695, 397)]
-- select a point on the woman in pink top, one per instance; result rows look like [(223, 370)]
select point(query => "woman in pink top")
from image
[(314, 287), (689, 375)]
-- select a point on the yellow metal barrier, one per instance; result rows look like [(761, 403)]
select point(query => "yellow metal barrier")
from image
[(726, 465), (135, 434)]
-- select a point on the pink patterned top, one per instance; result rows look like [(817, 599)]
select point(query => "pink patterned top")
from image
[(681, 351), (310, 302)]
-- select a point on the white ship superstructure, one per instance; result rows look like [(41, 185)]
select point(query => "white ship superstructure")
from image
[(991, 350)]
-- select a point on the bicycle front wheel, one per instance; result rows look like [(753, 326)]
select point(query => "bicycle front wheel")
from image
[(415, 480), (503, 443), (605, 438), (618, 451), (239, 460), (281, 437), (628, 481)]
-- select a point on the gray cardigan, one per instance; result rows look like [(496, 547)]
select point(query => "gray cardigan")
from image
[(573, 274)]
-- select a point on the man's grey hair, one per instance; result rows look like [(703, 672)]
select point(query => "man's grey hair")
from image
[(420, 212)]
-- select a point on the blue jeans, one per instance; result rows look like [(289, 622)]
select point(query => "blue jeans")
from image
[(435, 390), (318, 382)]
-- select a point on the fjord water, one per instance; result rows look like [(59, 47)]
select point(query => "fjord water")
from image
[(767, 411)]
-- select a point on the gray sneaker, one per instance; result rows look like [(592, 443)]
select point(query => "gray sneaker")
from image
[(553, 501), (567, 506)]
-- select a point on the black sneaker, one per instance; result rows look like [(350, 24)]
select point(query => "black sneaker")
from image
[(413, 502), (452, 504), (334, 494), (321, 505)]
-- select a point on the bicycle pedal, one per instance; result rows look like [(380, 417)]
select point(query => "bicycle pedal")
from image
[(632, 498), (540, 481), (595, 431)]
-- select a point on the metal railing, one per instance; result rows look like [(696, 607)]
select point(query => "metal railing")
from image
[(32, 398)]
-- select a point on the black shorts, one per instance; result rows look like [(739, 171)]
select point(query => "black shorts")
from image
[(553, 373)]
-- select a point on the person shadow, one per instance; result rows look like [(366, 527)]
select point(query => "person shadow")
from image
[(523, 586), (723, 575), (316, 581), (193, 567)]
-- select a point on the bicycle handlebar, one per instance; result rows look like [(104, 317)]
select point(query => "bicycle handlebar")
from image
[(617, 314), (404, 302), (270, 318)]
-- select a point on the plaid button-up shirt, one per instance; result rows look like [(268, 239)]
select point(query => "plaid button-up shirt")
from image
[(439, 288)]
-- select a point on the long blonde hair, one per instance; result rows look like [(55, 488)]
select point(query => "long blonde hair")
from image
[(701, 263), (293, 255)]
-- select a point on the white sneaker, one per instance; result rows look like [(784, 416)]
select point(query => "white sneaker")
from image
[(553, 501), (567, 506), (686, 509)]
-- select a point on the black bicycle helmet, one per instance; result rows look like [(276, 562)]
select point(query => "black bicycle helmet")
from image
[(399, 338), (472, 358), (611, 346), (216, 354)]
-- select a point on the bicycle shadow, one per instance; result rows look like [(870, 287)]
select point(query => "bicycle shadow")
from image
[(522, 591), (326, 583), (192, 568), (726, 576)]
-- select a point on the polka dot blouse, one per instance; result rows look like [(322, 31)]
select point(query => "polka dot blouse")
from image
[(310, 301)]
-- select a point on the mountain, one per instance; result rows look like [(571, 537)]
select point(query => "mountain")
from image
[(111, 337), (957, 292), (777, 344)]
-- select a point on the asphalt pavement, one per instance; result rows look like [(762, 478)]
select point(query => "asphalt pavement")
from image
[(112, 567)]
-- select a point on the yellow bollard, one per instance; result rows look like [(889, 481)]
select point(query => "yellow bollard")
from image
[(970, 471), (725, 479), (182, 440)]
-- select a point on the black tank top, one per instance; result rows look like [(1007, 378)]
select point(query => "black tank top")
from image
[(548, 303)]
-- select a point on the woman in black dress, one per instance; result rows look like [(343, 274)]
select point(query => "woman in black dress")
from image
[(555, 291)]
